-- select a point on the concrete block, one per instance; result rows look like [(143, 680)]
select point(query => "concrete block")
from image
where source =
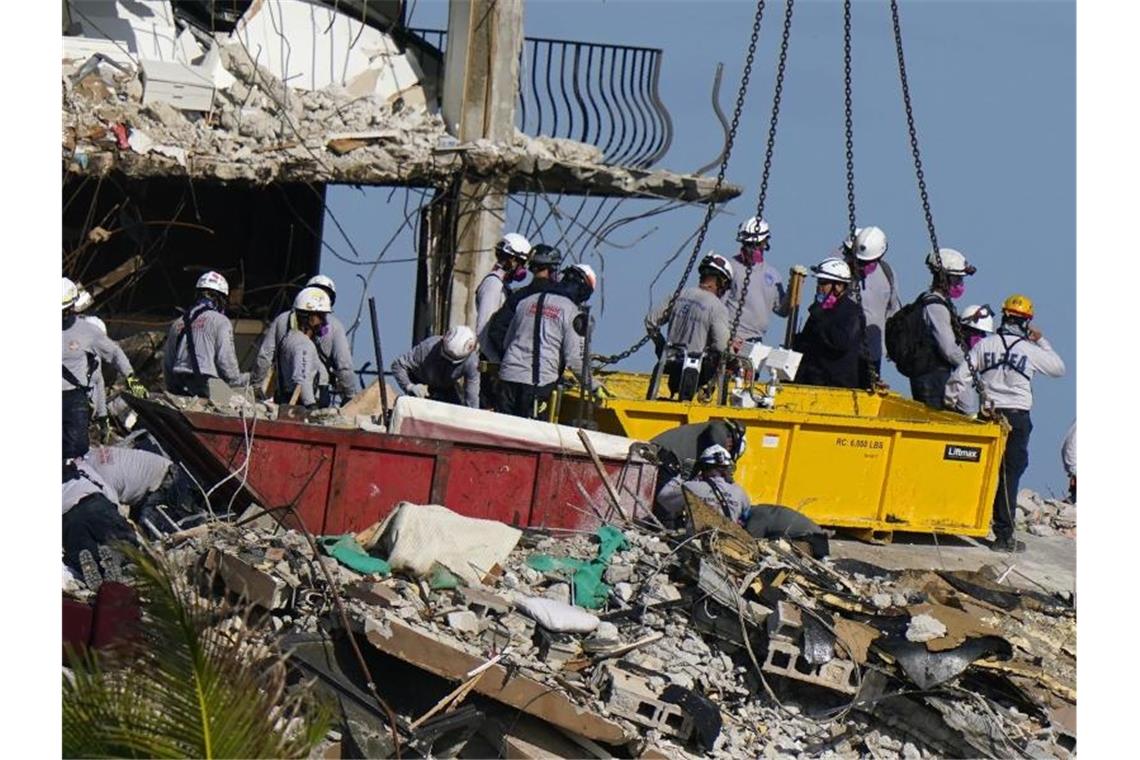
[(786, 659), (630, 697)]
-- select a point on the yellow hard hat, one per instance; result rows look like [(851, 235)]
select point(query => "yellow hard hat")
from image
[(1018, 305)]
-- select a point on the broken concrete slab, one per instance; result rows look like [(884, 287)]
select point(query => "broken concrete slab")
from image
[(259, 588)]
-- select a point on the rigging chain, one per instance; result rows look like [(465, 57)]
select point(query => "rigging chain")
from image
[(738, 108), (768, 151), (983, 398)]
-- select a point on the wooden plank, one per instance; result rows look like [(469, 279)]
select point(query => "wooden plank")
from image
[(441, 658), (115, 276)]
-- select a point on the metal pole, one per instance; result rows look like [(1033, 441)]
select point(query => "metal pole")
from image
[(379, 358), (586, 399), (795, 287)]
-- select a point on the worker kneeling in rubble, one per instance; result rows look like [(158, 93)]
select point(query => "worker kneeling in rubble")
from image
[(545, 337), (435, 366), (200, 344), (300, 373), (92, 524), (699, 328), (830, 339), (678, 448), (332, 346)]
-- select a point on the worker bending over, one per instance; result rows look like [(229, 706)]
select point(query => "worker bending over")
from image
[(1006, 362), (436, 366), (544, 339), (711, 482), (766, 294), (698, 324), (331, 342), (85, 346), (200, 343), (830, 340), (297, 363)]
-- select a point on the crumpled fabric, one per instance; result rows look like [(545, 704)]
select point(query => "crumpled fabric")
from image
[(590, 591)]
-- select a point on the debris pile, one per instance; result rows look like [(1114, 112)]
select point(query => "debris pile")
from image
[(634, 641), (1045, 517)]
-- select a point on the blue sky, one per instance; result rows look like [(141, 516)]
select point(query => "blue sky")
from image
[(993, 87)]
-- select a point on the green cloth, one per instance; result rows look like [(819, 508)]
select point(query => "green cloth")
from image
[(586, 575), (345, 550)]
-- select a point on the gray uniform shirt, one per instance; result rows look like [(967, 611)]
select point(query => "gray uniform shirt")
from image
[(1069, 451), (426, 365), (880, 301), (98, 393), (298, 364), (489, 297), (83, 340), (559, 346), (698, 319), (1006, 365), (765, 297), (133, 473), (332, 347), (78, 489), (937, 317), (214, 346), (736, 501)]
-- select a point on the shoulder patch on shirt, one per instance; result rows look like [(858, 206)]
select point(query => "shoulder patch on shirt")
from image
[(770, 278)]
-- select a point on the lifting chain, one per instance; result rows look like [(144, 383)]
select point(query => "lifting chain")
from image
[(983, 399), (711, 207), (768, 151)]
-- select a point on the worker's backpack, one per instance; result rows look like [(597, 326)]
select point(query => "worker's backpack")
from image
[(910, 345)]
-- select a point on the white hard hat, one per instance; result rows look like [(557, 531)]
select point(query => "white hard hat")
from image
[(952, 262), (714, 262), (588, 274), (978, 318), (458, 343), (834, 269), (321, 281), (514, 244), (870, 243), (98, 323), (716, 455), (213, 281), (84, 301), (312, 299), (70, 293), (753, 230)]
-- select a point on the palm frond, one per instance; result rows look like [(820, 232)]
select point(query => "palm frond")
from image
[(184, 688)]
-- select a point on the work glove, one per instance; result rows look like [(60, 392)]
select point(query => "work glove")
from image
[(800, 269), (600, 392), (134, 387), (419, 390)]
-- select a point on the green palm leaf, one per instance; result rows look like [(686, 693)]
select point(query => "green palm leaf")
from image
[(185, 689)]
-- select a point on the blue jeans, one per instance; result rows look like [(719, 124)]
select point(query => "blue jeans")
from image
[(930, 387), (1013, 466), (76, 420)]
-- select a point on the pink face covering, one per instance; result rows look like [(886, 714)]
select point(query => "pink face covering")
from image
[(958, 290), (973, 339), (829, 303), (869, 267), (748, 253)]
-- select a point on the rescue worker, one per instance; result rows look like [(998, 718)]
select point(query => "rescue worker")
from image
[(511, 256), (91, 523), (976, 323), (332, 347), (948, 269), (1006, 362), (297, 363), (678, 448), (545, 338), (878, 295), (435, 366), (698, 324), (98, 386), (829, 340), (200, 343), (711, 482), (84, 346), (766, 294), (1069, 459), (543, 266)]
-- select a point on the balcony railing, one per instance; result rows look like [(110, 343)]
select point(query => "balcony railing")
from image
[(604, 95)]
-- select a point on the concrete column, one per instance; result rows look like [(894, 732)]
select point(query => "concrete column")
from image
[(480, 88)]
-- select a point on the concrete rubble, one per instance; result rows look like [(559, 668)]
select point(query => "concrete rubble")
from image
[(1045, 517), (716, 647)]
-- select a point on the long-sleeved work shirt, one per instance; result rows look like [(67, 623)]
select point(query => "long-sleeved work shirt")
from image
[(1069, 451), (728, 496), (332, 349), (939, 319), (132, 473), (698, 320), (541, 341), (1006, 364), (766, 296), (880, 300), (489, 298), (298, 364), (425, 364), (84, 346), (212, 337)]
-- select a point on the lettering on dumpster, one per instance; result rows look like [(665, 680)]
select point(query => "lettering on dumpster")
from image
[(868, 444), (963, 453)]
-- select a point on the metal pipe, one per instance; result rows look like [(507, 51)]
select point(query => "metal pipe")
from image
[(795, 286), (379, 358), (586, 399)]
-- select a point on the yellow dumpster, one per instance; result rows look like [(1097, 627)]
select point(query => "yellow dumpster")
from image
[(876, 462)]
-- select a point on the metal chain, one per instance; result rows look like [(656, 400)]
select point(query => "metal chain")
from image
[(773, 123), (738, 109), (983, 398)]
